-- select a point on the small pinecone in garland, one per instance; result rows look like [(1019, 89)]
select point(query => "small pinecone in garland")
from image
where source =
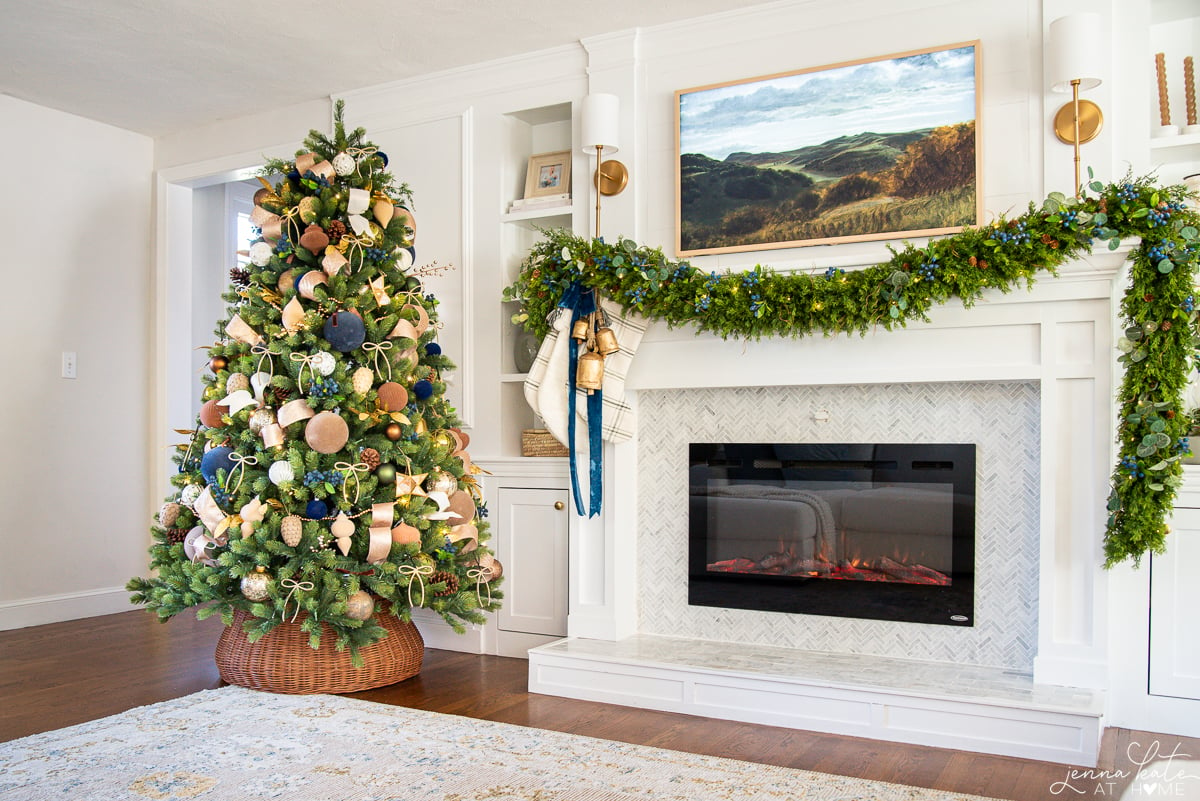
[(176, 535), (239, 277), (336, 230), (369, 457), (450, 580), (280, 395)]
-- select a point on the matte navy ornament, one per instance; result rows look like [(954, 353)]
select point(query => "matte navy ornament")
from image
[(423, 389), (433, 349), (345, 331), (316, 510), (214, 460)]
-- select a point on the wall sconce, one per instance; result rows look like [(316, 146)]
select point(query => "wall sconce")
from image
[(601, 127), (1074, 65)]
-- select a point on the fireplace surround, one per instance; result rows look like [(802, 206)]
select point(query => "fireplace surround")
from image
[(880, 531)]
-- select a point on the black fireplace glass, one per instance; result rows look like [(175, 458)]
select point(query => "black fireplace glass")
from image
[(871, 531)]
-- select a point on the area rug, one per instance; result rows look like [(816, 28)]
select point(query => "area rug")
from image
[(240, 745)]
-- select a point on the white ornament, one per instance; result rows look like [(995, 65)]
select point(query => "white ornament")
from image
[(323, 362), (281, 472), (189, 495), (260, 254), (362, 380), (343, 164)]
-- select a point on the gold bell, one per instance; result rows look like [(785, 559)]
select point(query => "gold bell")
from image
[(579, 331), (589, 374), (606, 341)]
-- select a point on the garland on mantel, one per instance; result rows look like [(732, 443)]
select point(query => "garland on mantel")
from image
[(1159, 344)]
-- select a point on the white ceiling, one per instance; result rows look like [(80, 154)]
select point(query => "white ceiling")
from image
[(161, 66)]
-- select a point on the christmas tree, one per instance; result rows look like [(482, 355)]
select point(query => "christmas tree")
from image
[(326, 470)]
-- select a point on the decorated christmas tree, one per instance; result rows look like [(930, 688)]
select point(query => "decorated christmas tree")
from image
[(326, 482)]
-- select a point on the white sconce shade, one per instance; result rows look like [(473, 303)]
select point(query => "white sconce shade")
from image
[(601, 122), (1075, 52)]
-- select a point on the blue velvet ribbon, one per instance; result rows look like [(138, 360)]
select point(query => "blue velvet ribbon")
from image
[(581, 302)]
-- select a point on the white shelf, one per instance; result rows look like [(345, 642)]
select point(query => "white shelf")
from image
[(538, 214), (513, 378), (1181, 140)]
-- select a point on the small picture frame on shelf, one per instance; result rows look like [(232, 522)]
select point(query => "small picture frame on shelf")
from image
[(549, 175)]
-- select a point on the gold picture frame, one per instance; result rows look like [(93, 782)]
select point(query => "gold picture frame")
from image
[(830, 154), (548, 174)]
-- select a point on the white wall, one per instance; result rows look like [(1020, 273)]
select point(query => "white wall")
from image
[(73, 475)]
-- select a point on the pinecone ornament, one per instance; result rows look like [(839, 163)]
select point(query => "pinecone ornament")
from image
[(450, 580), (370, 457), (239, 277), (176, 535), (336, 230), (291, 529), (280, 395)]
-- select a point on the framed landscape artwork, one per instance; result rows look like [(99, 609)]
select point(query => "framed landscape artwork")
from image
[(881, 148)]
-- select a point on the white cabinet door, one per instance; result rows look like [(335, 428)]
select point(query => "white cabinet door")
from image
[(1174, 599), (531, 543)]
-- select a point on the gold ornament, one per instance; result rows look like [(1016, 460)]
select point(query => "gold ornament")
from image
[(287, 281), (308, 209), (291, 529), (393, 431), (360, 605), (169, 514), (237, 381), (260, 419), (218, 363), (257, 585), (441, 481), (606, 341)]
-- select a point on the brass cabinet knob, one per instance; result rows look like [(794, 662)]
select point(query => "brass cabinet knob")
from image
[(558, 505)]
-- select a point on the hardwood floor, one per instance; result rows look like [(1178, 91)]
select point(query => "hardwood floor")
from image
[(66, 673)]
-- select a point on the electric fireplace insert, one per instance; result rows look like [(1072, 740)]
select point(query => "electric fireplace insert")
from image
[(875, 531)]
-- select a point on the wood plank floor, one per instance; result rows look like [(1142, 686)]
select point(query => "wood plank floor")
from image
[(66, 673)]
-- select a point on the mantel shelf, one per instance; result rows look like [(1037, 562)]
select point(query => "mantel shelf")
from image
[(1181, 140), (537, 214)]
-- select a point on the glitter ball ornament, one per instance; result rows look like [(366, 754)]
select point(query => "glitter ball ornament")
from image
[(343, 164), (189, 495), (360, 605), (323, 362), (168, 514), (260, 254), (291, 529), (441, 481), (308, 209), (281, 472), (260, 419), (256, 586), (237, 382), (362, 380)]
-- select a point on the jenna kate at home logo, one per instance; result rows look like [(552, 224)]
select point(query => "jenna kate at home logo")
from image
[(1153, 773)]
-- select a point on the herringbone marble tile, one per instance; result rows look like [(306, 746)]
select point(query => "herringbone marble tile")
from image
[(1002, 419)]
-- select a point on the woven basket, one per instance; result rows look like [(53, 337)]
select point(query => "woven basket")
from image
[(540, 442), (283, 662)]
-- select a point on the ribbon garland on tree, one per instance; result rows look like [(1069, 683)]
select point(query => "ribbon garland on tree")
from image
[(1158, 310)]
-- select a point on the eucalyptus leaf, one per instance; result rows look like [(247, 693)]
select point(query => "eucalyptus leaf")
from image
[(894, 313), (1159, 466), (1162, 440), (1157, 487), (1114, 243), (1165, 266), (1139, 355), (1158, 425), (1146, 450), (1134, 332), (1100, 218)]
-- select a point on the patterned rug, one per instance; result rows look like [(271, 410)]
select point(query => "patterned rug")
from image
[(239, 745)]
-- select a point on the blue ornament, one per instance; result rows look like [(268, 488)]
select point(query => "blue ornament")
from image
[(423, 389), (382, 156), (214, 460), (433, 349), (345, 331), (316, 510)]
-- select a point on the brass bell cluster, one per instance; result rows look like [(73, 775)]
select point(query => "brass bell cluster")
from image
[(598, 340)]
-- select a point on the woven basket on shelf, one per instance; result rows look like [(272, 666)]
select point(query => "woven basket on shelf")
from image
[(540, 442), (283, 662)]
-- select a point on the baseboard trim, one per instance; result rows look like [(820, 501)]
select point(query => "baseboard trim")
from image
[(67, 606)]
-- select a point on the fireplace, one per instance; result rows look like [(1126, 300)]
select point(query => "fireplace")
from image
[(874, 531)]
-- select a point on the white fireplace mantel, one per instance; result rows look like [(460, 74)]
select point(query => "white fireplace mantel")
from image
[(1059, 335)]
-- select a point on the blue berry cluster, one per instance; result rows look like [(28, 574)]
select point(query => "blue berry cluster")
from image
[(1158, 217), (750, 279), (1182, 446), (1135, 469), (284, 245), (1127, 192), (1016, 234), (682, 271), (314, 478), (756, 303), (703, 302), (602, 262), (315, 182), (1068, 217), (219, 494), (928, 270), (636, 295), (1189, 303), (1156, 254), (833, 272), (375, 254), (712, 282), (323, 388)]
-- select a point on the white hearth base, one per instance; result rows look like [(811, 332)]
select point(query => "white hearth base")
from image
[(965, 707)]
